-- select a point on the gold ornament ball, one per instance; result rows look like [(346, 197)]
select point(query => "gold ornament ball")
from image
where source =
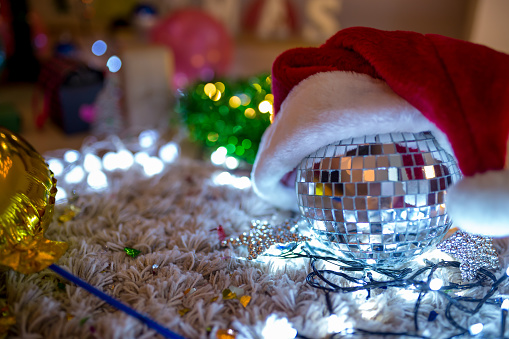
[(26, 207)]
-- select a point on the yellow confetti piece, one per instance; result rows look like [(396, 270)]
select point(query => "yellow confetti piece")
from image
[(189, 290), (69, 317), (228, 294), (244, 300), (5, 324), (214, 299), (68, 214), (183, 311), (226, 334)]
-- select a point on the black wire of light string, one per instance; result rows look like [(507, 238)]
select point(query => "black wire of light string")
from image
[(398, 279)]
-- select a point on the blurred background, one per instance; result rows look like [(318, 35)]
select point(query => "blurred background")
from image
[(74, 68)]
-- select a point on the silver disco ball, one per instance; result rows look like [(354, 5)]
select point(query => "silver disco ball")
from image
[(378, 199)]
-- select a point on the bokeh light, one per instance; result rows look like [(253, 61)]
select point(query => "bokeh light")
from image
[(265, 107), (71, 156), (99, 47), (114, 64), (169, 152)]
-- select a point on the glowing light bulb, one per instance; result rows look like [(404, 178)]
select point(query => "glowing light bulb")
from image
[(436, 284), (337, 324), (125, 159), (97, 180), (141, 157), (110, 161), (234, 101), (153, 166), (210, 89), (169, 152), (218, 157), (148, 138), (231, 163), (278, 328), (92, 163), (265, 107), (223, 178), (476, 329), (114, 64), (242, 183), (56, 166), (99, 47), (75, 175), (71, 156)]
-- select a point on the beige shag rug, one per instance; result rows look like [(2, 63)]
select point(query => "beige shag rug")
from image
[(171, 219)]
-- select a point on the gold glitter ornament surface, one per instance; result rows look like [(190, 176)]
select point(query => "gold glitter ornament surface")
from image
[(473, 251), (26, 207)]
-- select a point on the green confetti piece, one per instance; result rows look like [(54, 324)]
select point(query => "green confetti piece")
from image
[(61, 286), (133, 253), (83, 321)]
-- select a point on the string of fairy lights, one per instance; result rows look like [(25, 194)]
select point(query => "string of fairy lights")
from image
[(346, 276)]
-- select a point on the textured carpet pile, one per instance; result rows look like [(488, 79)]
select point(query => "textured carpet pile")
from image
[(171, 218)]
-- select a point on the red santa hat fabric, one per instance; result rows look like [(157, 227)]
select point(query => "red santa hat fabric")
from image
[(365, 81)]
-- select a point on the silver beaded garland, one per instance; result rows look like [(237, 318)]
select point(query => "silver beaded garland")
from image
[(473, 251), (263, 235)]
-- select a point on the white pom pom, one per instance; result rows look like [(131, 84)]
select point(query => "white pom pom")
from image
[(480, 204)]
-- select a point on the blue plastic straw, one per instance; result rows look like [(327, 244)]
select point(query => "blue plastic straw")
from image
[(115, 303)]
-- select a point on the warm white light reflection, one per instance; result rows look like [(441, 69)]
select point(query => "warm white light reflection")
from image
[(429, 172), (148, 138), (231, 163), (141, 157), (97, 180), (110, 161), (408, 294), (265, 107), (436, 284), (114, 64), (242, 182), (225, 178), (337, 324), (125, 159), (476, 328), (153, 166), (169, 152), (218, 157), (71, 156), (92, 163), (75, 175), (56, 166), (278, 328), (99, 47)]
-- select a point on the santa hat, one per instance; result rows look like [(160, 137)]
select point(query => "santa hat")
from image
[(365, 81)]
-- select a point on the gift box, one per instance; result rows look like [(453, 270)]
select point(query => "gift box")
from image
[(68, 86)]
